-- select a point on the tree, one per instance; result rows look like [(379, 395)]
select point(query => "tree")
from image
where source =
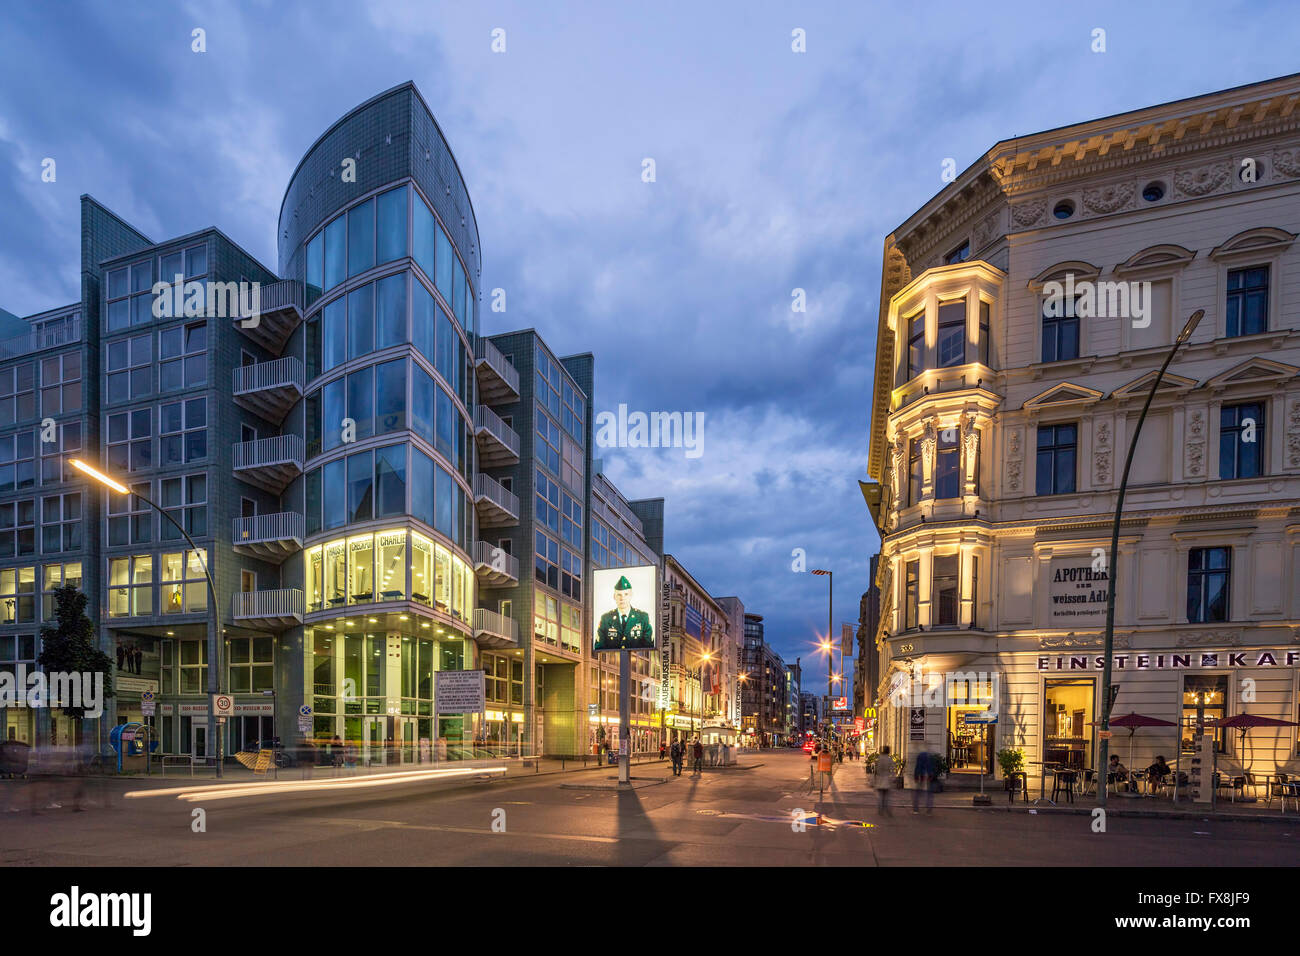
[(69, 646)]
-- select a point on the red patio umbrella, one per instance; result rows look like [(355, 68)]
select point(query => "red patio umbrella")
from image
[(1244, 722), (1133, 721)]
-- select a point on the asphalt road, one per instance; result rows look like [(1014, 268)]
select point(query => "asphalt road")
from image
[(735, 817)]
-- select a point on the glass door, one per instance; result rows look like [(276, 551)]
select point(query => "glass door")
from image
[(374, 742), (199, 739), (409, 754)]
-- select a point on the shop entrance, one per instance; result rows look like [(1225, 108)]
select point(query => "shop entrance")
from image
[(971, 743), (199, 739), (374, 742)]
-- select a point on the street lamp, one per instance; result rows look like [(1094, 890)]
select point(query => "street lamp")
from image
[(1104, 751), (699, 676), (214, 635), (826, 645)]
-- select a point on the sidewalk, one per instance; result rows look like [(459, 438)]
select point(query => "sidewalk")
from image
[(850, 787)]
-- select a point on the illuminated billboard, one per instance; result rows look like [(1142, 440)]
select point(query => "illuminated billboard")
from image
[(621, 597)]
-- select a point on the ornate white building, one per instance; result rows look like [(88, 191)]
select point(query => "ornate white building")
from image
[(1024, 312)]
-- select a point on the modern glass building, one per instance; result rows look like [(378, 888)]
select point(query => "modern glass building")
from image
[(361, 471)]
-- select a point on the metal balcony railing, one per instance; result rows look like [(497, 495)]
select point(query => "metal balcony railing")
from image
[(485, 486), (37, 340), (283, 526), (494, 623), (263, 452), (486, 353), (496, 560), (285, 294), (487, 420), (280, 373), (282, 603)]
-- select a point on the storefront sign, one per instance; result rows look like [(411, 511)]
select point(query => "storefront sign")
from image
[(918, 723), (1167, 661), (665, 647), (133, 685), (458, 692), (1077, 592)]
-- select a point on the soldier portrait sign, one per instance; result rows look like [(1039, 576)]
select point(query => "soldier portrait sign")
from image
[(621, 598)]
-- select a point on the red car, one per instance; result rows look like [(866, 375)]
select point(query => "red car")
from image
[(808, 746)]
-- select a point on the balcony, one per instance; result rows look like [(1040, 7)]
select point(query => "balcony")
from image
[(269, 389), (54, 335), (268, 610), (498, 444), (494, 567), (496, 504), (498, 380), (493, 630), (279, 312), (269, 463), (273, 537)]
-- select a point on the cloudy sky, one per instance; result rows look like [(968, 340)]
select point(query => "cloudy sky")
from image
[(775, 171)]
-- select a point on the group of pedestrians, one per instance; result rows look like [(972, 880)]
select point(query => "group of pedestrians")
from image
[(680, 750), (885, 776)]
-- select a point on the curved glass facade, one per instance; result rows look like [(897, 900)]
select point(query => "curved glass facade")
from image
[(386, 248)]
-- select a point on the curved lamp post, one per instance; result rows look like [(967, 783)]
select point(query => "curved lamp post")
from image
[(1103, 759), (214, 635)]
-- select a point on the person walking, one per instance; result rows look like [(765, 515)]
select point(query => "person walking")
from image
[(662, 750), (884, 777), (698, 754), (675, 755), (923, 777)]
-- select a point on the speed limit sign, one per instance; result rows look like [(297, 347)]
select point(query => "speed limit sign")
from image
[(223, 705)]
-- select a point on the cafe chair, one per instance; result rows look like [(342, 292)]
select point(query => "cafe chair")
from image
[(1087, 781), (1018, 782), (1064, 784)]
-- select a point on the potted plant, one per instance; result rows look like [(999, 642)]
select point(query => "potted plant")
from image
[(941, 768), (1011, 761), (900, 766)]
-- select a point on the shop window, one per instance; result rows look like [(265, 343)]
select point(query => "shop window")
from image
[(421, 569), (1209, 572), (1205, 697), (1067, 719), (391, 549), (361, 569)]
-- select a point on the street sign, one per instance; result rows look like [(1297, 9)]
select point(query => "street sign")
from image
[(147, 696), (304, 711), (591, 710), (981, 718), (148, 708), (223, 705), (1105, 734)]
